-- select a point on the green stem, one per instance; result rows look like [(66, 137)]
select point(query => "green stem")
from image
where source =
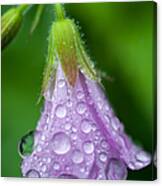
[(59, 11), (22, 8)]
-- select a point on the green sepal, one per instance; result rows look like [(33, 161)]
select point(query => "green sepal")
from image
[(51, 64), (65, 48), (84, 61)]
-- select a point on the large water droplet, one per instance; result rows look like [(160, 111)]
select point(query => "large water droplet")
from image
[(77, 157), (61, 111), (61, 143), (88, 147), (56, 166), (81, 108), (32, 174), (26, 143), (116, 170), (103, 157), (86, 126), (61, 83)]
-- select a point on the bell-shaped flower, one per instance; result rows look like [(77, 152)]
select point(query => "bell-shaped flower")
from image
[(78, 134)]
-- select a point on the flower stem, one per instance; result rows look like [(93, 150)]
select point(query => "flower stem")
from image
[(59, 12)]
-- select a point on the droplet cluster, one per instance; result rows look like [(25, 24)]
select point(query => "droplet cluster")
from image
[(79, 136)]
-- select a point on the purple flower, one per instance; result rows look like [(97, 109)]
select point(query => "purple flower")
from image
[(78, 134)]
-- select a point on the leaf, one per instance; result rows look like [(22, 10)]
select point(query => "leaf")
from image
[(39, 12)]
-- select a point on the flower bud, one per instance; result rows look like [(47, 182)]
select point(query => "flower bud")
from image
[(11, 22)]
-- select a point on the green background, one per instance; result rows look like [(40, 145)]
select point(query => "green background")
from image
[(120, 38)]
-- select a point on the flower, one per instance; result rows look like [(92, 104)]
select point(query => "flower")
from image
[(78, 134), (11, 23)]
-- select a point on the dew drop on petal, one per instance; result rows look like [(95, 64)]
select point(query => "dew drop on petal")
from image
[(56, 166), (88, 147), (61, 83), (73, 136), (86, 126), (104, 144), (67, 126), (32, 174), (81, 108), (116, 170), (26, 143), (142, 156), (69, 103), (77, 157), (80, 95), (61, 111), (44, 168), (103, 157), (61, 143)]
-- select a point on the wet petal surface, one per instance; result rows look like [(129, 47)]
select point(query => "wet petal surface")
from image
[(79, 136)]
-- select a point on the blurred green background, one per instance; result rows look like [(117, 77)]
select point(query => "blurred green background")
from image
[(120, 38)]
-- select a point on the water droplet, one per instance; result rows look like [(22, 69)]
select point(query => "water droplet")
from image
[(26, 143), (74, 129), (104, 144), (107, 118), (43, 137), (69, 103), (88, 147), (61, 83), (115, 123), (44, 168), (142, 156), (56, 166), (77, 157), (86, 126), (81, 108), (100, 104), (103, 157), (39, 148), (61, 143), (73, 136), (32, 174), (48, 160), (61, 111), (116, 170), (67, 168), (80, 95), (82, 169), (107, 108), (94, 127), (67, 126)]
